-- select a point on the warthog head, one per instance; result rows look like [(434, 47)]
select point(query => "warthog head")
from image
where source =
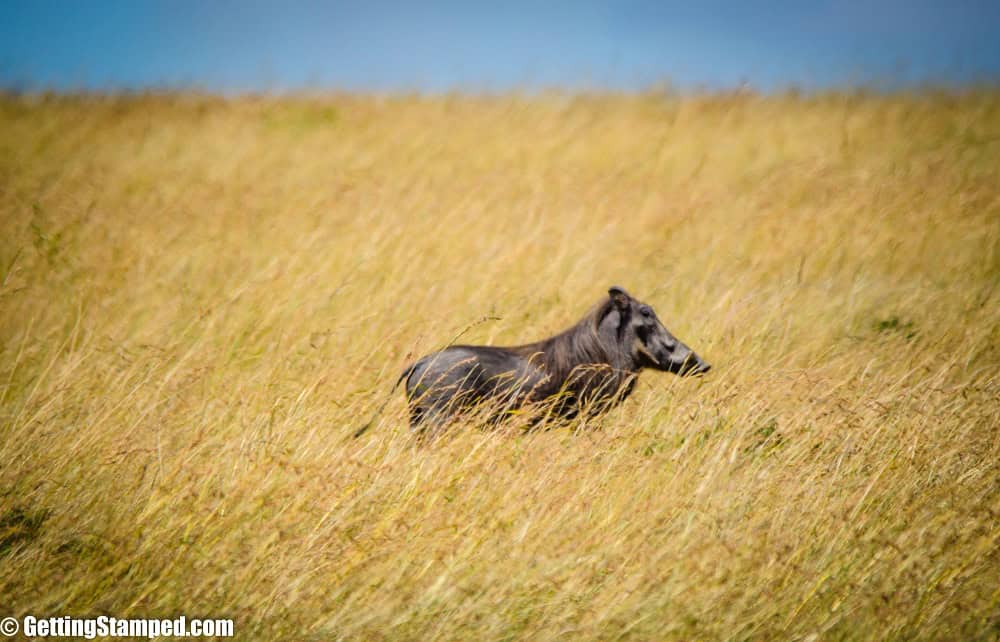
[(651, 344)]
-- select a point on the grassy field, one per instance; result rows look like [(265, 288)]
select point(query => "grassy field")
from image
[(201, 299)]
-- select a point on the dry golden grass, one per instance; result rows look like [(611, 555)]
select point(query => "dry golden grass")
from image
[(201, 299)]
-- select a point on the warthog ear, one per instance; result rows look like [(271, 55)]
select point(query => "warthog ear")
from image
[(620, 297)]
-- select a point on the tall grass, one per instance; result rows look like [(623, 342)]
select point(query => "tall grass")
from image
[(201, 300)]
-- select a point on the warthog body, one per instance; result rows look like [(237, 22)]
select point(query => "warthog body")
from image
[(588, 368)]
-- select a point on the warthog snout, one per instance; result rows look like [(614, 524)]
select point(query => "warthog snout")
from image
[(685, 362), (694, 366)]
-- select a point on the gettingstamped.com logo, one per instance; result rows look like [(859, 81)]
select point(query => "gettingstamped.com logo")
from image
[(112, 627)]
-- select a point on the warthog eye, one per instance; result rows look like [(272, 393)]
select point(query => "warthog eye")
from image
[(646, 311)]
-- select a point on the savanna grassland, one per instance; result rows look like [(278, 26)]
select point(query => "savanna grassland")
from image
[(201, 299)]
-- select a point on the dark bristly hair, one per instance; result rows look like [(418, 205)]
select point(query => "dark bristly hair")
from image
[(565, 358)]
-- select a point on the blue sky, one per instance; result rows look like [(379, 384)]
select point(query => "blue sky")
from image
[(233, 46)]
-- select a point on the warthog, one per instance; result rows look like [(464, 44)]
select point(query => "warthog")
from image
[(587, 368)]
